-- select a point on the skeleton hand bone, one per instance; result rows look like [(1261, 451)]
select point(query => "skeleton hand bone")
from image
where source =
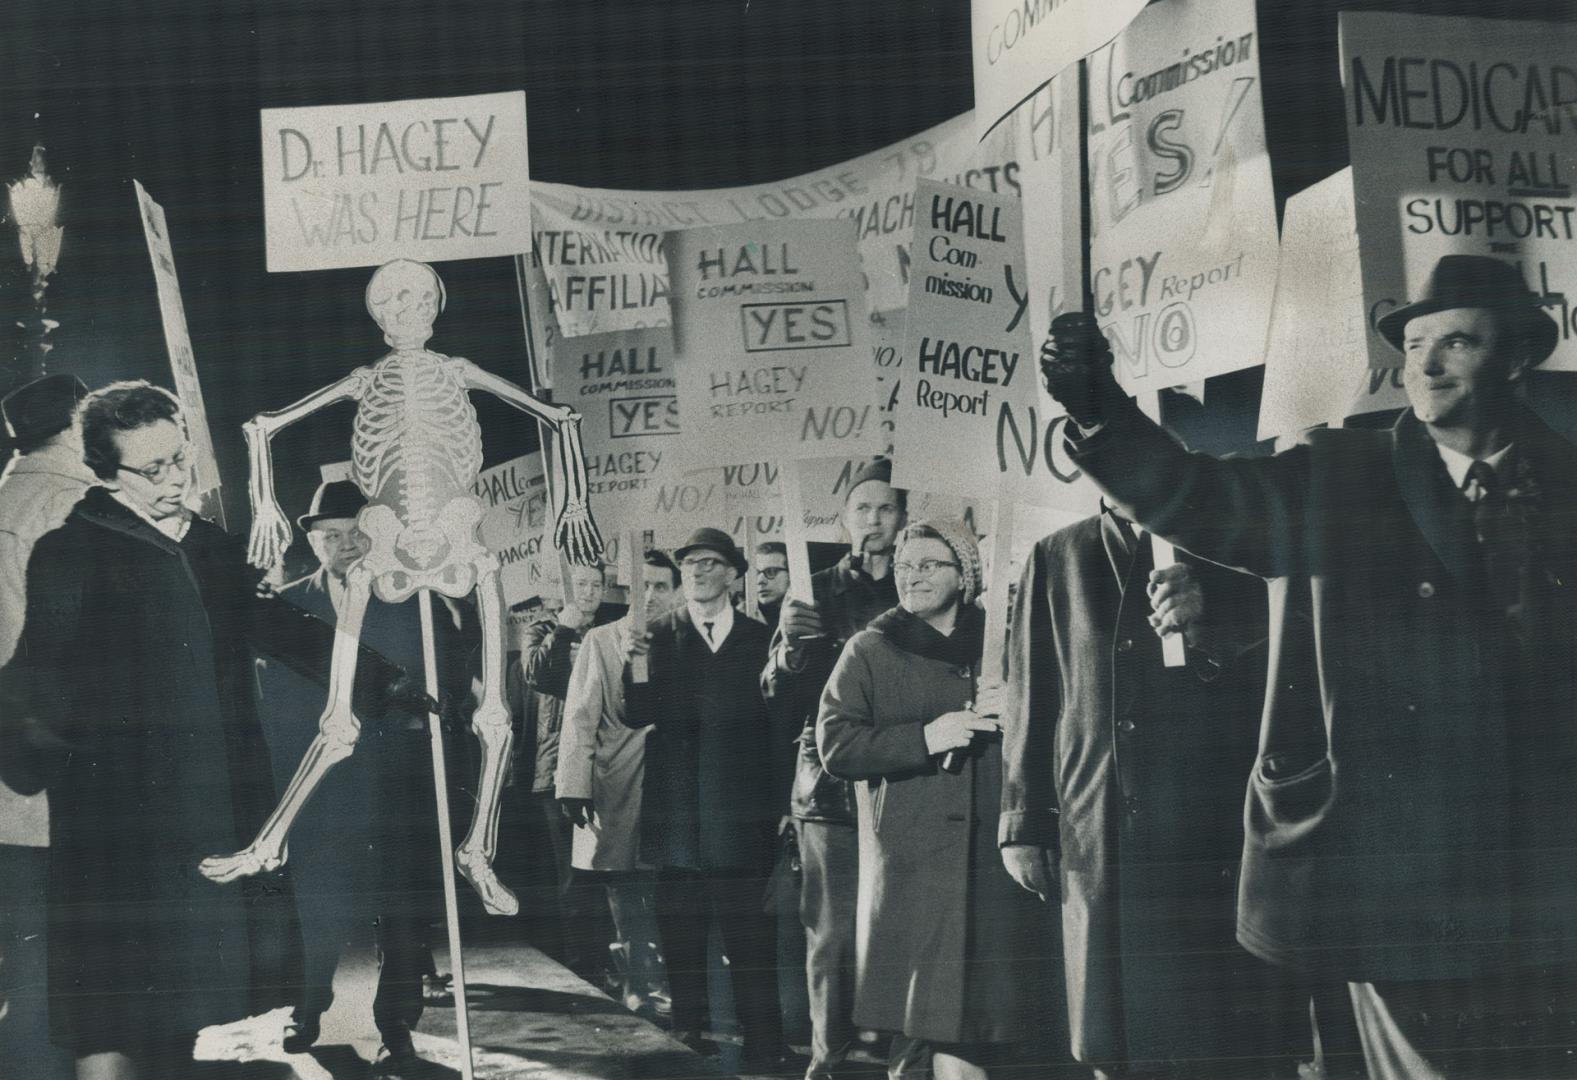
[(270, 536)]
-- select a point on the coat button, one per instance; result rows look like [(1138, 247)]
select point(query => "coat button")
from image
[(1132, 802), (1426, 589), (1125, 645), (1125, 725)]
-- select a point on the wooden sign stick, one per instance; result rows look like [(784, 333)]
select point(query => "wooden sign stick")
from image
[(635, 560)]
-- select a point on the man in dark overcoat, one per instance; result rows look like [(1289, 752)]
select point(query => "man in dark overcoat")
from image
[(1412, 816), (1128, 776), (364, 850), (134, 680), (708, 815)]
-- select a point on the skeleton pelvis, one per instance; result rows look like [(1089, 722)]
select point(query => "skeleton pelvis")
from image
[(441, 555)]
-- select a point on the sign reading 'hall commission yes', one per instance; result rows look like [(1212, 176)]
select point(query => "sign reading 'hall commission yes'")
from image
[(358, 185), (1463, 135), (1183, 250), (771, 334)]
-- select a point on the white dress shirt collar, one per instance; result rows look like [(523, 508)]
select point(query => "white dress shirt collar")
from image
[(722, 623), (1458, 463)]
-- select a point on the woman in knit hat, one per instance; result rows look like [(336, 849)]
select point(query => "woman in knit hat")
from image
[(951, 950)]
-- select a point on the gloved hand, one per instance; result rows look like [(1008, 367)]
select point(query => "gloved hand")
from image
[(407, 696), (1076, 366), (580, 812)]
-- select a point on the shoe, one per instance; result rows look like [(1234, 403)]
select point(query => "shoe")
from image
[(301, 1033), (698, 1043), (398, 1053)]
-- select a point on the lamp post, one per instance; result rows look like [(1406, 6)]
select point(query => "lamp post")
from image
[(35, 209)]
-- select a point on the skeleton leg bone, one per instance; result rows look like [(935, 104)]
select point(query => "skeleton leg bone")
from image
[(474, 856), (338, 730)]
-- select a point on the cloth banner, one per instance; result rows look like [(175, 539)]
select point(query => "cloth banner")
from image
[(772, 342), (1183, 218), (1460, 132), (183, 364), (433, 179), (600, 248)]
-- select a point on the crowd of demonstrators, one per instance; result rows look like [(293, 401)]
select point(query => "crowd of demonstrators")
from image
[(1355, 800)]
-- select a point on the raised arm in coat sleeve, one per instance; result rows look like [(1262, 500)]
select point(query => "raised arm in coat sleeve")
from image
[(572, 778), (1246, 513), (1033, 709), (852, 746)]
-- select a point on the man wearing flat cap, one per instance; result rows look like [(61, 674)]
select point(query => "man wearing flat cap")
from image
[(707, 810), (1411, 820), (40, 486)]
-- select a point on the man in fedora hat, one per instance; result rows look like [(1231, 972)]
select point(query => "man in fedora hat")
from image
[(708, 813), (41, 484), (1411, 821), (364, 850)]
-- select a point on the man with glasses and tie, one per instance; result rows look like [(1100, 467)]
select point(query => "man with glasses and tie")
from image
[(1411, 821), (136, 663), (708, 813)]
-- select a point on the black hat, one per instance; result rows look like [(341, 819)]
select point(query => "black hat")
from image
[(875, 469), (333, 499), (1459, 281), (715, 540), (41, 408)]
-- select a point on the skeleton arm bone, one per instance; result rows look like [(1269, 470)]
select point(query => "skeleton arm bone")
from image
[(575, 533), (270, 531)]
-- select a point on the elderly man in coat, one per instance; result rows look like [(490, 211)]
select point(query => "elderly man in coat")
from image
[(708, 815), (134, 680), (1129, 777), (1412, 816)]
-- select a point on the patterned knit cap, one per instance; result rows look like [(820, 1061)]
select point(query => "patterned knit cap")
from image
[(956, 535)]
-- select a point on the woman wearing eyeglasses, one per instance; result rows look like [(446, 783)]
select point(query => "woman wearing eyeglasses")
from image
[(951, 951)]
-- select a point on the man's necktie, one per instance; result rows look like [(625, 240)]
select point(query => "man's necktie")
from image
[(708, 627)]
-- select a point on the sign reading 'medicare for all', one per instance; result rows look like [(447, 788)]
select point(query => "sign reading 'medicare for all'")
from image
[(183, 364), (772, 340), (516, 526), (623, 385), (1462, 140), (433, 179), (1018, 45), (601, 248), (1183, 219)]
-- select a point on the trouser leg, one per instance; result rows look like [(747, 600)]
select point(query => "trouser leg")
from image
[(750, 940), (24, 1003), (683, 916), (829, 859), (404, 956)]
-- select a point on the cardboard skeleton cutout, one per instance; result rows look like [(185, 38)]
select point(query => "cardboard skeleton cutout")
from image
[(416, 450)]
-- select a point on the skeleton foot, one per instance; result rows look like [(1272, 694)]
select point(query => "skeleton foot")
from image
[(244, 863), (475, 868)]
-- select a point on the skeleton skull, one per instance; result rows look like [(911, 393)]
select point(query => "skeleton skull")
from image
[(404, 297)]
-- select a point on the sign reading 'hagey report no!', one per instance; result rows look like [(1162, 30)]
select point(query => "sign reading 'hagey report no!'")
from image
[(358, 185), (771, 333), (967, 415), (623, 385), (1461, 133)]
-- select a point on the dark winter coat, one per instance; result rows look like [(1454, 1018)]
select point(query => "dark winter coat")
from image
[(707, 802), (848, 599), (1413, 812), (949, 948), (1135, 773), (137, 651)]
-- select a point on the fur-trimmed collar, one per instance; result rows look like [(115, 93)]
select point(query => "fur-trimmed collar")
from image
[(913, 634)]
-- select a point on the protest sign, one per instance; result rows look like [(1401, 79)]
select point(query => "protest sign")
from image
[(1183, 219), (1316, 364), (622, 384), (536, 311), (433, 179), (968, 417), (183, 365), (516, 527), (1017, 45), (1460, 132), (597, 244), (771, 336)]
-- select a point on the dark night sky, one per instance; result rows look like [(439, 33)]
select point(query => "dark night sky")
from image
[(682, 94)]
